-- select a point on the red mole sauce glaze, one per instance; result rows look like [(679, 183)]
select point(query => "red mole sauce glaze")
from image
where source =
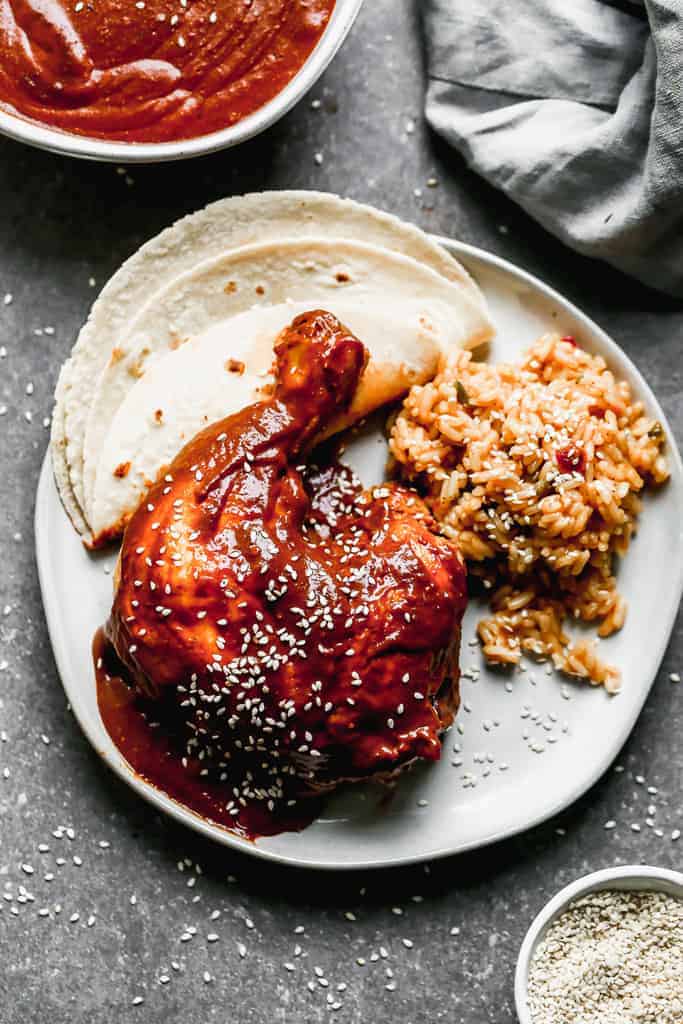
[(287, 630), (151, 70), (153, 746)]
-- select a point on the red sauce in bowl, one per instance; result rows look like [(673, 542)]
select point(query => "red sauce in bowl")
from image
[(151, 70)]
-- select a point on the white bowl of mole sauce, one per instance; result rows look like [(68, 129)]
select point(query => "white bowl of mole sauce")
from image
[(608, 949), (160, 79)]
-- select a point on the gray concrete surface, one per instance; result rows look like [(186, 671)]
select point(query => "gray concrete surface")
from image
[(61, 223)]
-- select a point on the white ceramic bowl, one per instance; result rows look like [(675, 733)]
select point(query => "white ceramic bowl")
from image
[(630, 877), (69, 144)]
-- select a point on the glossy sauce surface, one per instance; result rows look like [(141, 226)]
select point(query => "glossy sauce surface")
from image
[(151, 70), (152, 744), (289, 631)]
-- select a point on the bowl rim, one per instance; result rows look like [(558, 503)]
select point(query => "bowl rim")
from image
[(65, 143), (626, 876)]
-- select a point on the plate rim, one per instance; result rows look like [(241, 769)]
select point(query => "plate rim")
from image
[(185, 816)]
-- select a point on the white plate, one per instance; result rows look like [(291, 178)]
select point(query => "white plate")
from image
[(432, 813)]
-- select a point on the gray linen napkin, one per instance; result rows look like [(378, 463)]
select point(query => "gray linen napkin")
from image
[(575, 109)]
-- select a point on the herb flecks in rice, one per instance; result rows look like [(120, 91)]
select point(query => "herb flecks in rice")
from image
[(537, 476)]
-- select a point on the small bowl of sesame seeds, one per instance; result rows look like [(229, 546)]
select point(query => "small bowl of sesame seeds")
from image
[(607, 949)]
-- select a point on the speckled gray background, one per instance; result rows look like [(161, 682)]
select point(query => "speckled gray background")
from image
[(61, 223)]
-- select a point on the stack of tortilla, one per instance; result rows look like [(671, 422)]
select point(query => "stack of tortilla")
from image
[(183, 333)]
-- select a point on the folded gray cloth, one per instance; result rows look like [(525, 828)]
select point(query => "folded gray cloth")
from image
[(575, 109)]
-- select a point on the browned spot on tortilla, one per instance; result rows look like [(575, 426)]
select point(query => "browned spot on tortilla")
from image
[(113, 532), (137, 368), (122, 470), (230, 287), (341, 278), (176, 340), (117, 355), (235, 366), (158, 415), (260, 290)]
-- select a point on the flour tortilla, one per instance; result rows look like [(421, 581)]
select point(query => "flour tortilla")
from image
[(58, 447), (225, 368), (224, 225), (314, 273)]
